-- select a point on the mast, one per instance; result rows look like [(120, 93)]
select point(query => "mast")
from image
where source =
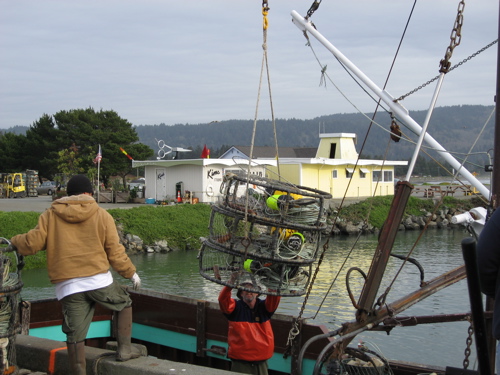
[(495, 181), (494, 200), (400, 111)]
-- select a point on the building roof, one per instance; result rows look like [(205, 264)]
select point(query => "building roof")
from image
[(263, 152), (200, 162)]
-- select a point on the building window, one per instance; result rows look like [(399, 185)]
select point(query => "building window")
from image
[(334, 173), (362, 173), (377, 176), (387, 176), (349, 172)]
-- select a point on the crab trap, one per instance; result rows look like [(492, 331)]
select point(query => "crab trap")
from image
[(361, 361), (264, 231), (10, 312)]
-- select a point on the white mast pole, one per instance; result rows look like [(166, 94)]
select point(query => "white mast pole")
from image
[(400, 111)]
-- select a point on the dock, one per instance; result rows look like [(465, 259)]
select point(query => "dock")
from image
[(37, 356)]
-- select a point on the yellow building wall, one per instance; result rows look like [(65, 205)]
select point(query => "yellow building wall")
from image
[(289, 173), (319, 176)]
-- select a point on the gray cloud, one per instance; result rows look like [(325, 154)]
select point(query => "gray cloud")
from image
[(197, 61)]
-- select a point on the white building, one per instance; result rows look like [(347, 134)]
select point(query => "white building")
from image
[(165, 179), (333, 167)]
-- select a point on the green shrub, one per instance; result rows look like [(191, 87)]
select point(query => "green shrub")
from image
[(181, 225), (12, 223)]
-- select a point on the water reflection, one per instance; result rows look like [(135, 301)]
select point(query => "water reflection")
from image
[(438, 251)]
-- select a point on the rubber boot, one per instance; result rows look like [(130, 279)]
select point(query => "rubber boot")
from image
[(76, 358), (125, 350)]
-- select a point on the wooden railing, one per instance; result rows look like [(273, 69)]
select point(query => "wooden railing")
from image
[(430, 191)]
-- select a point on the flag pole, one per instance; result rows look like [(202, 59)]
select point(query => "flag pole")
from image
[(98, 157), (98, 169)]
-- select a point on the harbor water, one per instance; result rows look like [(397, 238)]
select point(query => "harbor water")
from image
[(438, 251)]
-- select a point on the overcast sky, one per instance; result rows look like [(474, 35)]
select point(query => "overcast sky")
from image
[(194, 62)]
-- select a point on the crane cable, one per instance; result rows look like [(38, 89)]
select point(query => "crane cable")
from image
[(264, 67)]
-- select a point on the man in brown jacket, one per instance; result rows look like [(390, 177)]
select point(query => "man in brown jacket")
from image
[(82, 243)]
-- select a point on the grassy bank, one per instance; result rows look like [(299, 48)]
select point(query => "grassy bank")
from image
[(183, 225)]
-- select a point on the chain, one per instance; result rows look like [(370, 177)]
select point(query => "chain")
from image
[(468, 342), (456, 37), (314, 7), (294, 331), (453, 67)]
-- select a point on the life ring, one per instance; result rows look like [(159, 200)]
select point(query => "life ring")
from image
[(210, 190)]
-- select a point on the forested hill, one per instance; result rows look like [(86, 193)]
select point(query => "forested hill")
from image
[(455, 128)]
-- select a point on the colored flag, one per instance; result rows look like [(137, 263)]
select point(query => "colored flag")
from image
[(125, 152), (205, 154), (98, 156)]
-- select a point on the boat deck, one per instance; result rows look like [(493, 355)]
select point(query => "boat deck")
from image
[(44, 356)]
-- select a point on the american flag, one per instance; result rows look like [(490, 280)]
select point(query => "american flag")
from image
[(99, 156)]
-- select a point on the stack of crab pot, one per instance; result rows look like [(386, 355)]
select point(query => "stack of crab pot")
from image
[(264, 231), (10, 322)]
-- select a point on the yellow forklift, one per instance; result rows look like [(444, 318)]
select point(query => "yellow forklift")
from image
[(13, 185)]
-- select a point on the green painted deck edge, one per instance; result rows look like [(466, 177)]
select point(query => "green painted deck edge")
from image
[(96, 330), (188, 343), (163, 337)]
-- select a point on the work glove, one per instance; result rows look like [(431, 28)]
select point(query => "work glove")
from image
[(9, 249), (136, 281)]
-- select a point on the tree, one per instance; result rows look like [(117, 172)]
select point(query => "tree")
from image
[(41, 148), (88, 129), (12, 152), (69, 163)]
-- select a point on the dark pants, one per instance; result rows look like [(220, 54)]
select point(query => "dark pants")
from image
[(78, 309), (254, 368)]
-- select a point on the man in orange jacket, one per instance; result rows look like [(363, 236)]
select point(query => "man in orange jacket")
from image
[(250, 335)]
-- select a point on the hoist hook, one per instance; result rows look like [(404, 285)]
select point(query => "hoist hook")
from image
[(265, 12)]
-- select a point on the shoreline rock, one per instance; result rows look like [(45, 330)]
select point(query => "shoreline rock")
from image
[(439, 220)]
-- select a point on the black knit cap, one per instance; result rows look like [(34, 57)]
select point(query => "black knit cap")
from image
[(79, 184)]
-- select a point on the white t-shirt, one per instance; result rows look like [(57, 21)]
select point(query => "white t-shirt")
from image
[(83, 284)]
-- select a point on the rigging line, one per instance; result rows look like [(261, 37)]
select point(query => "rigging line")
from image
[(383, 297), (337, 275), (474, 144), (400, 43), (356, 108), (450, 173), (265, 11), (324, 73), (252, 143), (325, 247), (372, 120), (389, 73), (402, 97), (408, 139)]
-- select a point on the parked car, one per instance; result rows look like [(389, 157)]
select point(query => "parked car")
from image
[(139, 184), (47, 187)]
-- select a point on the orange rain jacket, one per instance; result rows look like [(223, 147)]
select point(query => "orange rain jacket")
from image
[(250, 335)]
